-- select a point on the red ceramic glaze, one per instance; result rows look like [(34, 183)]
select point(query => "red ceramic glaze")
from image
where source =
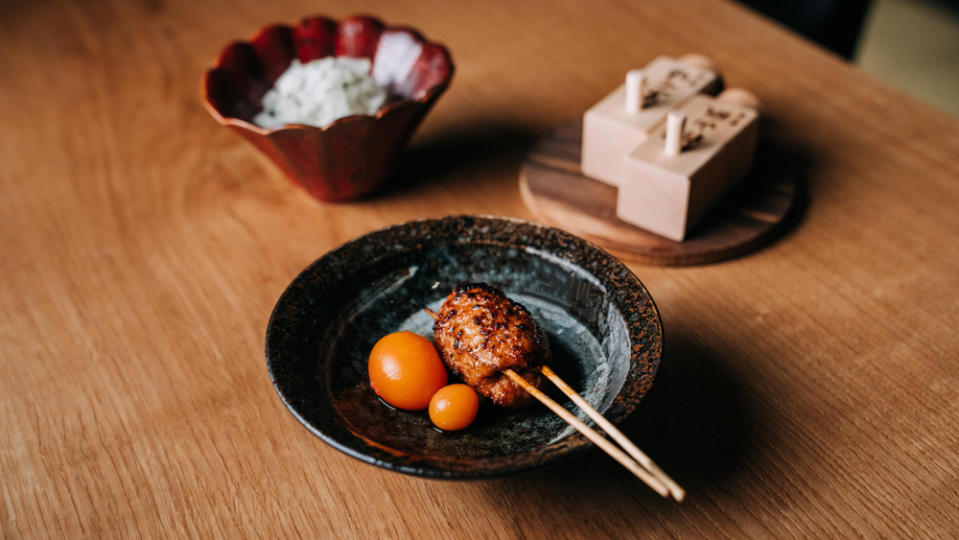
[(349, 157)]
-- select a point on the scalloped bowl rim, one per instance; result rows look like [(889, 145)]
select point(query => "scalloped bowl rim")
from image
[(436, 90)]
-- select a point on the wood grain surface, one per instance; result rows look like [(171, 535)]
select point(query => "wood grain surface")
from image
[(762, 206), (810, 389)]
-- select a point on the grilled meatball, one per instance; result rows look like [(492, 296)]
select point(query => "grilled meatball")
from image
[(480, 333)]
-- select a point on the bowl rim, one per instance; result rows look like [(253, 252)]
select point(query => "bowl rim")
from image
[(430, 95), (580, 443)]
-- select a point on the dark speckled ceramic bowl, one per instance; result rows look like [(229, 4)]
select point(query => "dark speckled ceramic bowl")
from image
[(605, 332)]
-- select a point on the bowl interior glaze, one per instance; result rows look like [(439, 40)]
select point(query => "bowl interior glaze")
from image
[(605, 334)]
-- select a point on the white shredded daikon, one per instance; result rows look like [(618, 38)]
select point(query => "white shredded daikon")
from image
[(321, 91)]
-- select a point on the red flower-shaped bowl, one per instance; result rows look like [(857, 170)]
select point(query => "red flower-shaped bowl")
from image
[(349, 157)]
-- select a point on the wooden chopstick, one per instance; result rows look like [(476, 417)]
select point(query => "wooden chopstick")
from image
[(677, 492), (591, 434)]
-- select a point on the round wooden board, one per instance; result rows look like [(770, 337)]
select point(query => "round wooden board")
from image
[(555, 190)]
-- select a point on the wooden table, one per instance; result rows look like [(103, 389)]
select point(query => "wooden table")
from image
[(811, 389)]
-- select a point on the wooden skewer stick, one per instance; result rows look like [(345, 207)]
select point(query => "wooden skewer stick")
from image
[(677, 492), (591, 434)]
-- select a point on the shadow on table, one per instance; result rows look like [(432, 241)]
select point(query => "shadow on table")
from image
[(695, 423), (769, 204), (799, 161), (456, 153)]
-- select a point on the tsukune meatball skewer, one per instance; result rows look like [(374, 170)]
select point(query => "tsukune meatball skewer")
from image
[(494, 344), (480, 333)]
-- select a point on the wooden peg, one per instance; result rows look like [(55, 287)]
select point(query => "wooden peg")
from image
[(740, 97), (635, 90), (698, 60), (675, 126)]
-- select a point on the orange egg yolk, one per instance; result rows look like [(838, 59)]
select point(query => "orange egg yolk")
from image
[(405, 370), (454, 407)]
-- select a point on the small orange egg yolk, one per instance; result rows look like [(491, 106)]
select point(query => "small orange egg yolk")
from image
[(454, 407), (405, 370)]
